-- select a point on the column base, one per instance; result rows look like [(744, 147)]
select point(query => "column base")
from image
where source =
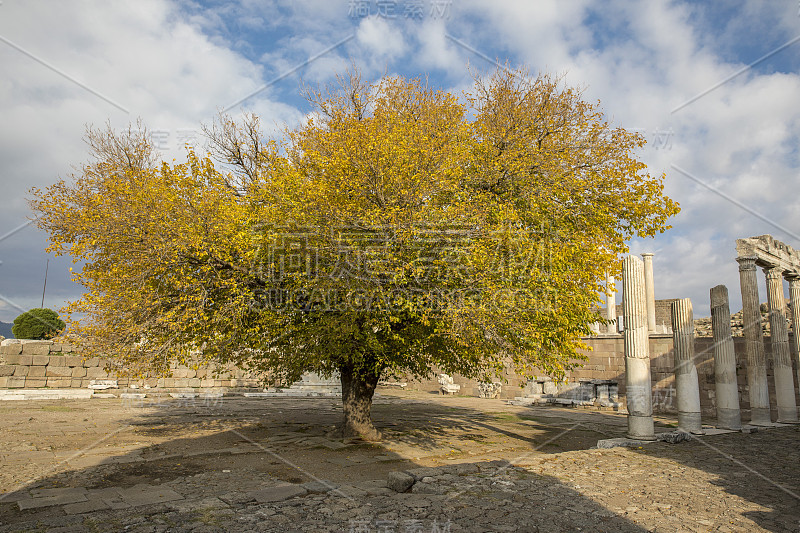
[(690, 423), (787, 415), (760, 416), (641, 428), (729, 419)]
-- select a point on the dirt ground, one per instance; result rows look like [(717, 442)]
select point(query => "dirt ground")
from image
[(203, 465)]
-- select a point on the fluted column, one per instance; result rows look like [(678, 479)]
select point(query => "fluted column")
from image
[(650, 292), (637, 351), (794, 298), (611, 305), (686, 382), (754, 342), (781, 353), (727, 388)]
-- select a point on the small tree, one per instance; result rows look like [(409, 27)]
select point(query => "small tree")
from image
[(397, 231), (40, 324)]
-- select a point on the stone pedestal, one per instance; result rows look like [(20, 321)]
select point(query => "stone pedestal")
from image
[(611, 305), (686, 382), (650, 292), (727, 389), (637, 351), (781, 353), (754, 341), (794, 299)]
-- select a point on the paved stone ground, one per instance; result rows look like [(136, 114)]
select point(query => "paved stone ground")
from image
[(240, 464)]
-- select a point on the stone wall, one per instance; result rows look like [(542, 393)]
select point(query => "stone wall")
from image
[(37, 364), (606, 361), (40, 364)]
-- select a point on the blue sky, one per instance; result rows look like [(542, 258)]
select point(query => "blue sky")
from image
[(681, 73)]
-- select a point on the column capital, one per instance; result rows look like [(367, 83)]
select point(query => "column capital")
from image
[(746, 263), (773, 272), (794, 280), (648, 254)]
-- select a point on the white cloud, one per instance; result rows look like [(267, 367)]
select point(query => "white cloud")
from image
[(380, 38)]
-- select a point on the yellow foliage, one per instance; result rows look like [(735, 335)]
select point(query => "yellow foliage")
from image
[(397, 229)]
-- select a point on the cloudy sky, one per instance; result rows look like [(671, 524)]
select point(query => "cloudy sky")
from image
[(714, 89)]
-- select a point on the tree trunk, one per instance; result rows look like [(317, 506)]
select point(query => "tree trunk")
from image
[(357, 391)]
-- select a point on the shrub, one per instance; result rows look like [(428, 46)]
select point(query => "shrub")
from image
[(37, 324)]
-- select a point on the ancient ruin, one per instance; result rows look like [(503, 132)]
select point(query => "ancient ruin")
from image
[(685, 370), (727, 389), (637, 351), (778, 261)]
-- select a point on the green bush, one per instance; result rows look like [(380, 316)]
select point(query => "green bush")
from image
[(37, 324)]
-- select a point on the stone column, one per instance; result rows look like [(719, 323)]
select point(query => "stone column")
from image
[(727, 388), (611, 305), (686, 382), (794, 298), (650, 292), (781, 353), (637, 351), (754, 341)]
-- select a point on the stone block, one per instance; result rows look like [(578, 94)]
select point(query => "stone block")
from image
[(55, 347), (400, 481), (59, 382), (57, 360), (20, 370), (73, 360), (58, 371), (278, 493), (206, 383), (92, 362), (96, 372), (76, 383), (15, 382), (194, 382), (78, 372), (11, 349), (37, 371), (40, 360), (3, 382), (191, 373), (67, 347), (36, 347), (26, 360), (6, 370), (12, 359), (35, 383)]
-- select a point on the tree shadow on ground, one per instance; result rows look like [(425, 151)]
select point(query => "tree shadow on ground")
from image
[(209, 451), (762, 468)]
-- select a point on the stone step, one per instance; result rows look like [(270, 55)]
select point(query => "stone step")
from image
[(46, 394)]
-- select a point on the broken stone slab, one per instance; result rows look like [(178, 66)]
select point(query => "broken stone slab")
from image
[(319, 487), (89, 506), (278, 493), (674, 437), (133, 395), (144, 494), (50, 497), (621, 442), (400, 481), (103, 384)]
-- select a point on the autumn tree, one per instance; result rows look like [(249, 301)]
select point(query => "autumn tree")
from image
[(398, 230)]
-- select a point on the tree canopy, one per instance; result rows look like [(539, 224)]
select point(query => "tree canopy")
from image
[(38, 324), (399, 229)]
